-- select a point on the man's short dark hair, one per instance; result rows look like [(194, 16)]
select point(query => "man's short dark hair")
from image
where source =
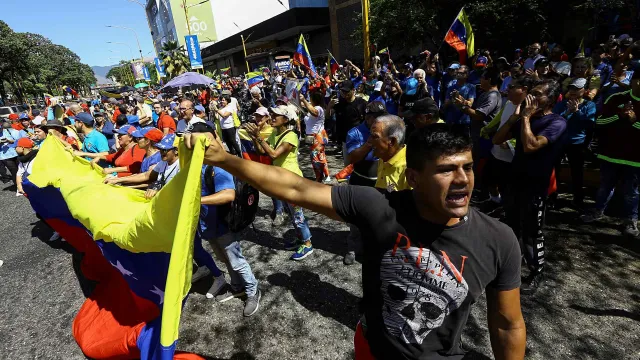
[(123, 109), (525, 81), (433, 141), (121, 120), (553, 89), (493, 75)]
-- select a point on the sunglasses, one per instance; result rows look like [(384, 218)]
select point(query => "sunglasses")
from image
[(164, 151)]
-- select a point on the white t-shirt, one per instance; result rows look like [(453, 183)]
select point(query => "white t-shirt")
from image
[(25, 167), (497, 151), (195, 119), (314, 124), (227, 122), (234, 103)]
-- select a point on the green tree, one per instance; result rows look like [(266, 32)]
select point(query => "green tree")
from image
[(174, 59)]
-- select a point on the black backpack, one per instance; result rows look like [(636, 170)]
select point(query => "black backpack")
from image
[(242, 211)]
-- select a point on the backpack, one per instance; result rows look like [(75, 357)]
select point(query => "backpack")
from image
[(242, 211)]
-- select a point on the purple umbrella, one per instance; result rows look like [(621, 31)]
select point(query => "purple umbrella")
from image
[(188, 79)]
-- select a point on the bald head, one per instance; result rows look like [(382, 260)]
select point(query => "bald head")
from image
[(186, 109), (75, 109)]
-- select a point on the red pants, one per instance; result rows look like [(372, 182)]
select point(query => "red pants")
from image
[(361, 345)]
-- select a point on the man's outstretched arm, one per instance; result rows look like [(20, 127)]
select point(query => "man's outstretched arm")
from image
[(271, 180)]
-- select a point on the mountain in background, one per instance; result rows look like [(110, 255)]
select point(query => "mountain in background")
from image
[(101, 70)]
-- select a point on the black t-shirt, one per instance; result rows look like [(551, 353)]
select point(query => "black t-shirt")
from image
[(532, 171), (348, 116), (420, 279)]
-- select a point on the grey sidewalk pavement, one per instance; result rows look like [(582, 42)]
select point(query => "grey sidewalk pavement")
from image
[(589, 307)]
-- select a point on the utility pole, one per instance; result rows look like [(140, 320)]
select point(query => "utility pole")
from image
[(365, 33)]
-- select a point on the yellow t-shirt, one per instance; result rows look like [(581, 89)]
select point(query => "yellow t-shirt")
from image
[(391, 173), (289, 160)]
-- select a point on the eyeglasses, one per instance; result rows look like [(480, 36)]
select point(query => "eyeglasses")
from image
[(184, 109)]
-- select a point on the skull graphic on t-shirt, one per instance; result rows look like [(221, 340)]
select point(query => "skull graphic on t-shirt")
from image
[(420, 288)]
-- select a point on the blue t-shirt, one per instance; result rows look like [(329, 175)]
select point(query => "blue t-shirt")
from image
[(577, 122), (434, 89), (7, 150), (149, 161), (604, 70), (452, 114), (107, 131), (95, 142), (155, 118), (181, 127), (211, 225), (356, 137)]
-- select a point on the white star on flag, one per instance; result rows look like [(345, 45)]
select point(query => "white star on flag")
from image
[(158, 292), (121, 268)]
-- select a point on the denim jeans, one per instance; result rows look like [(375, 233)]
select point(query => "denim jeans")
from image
[(299, 222), (203, 258), (610, 175), (227, 247), (278, 208)]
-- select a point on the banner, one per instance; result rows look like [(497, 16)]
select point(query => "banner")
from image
[(145, 72), (159, 68), (283, 63), (292, 91), (193, 48), (200, 16), (136, 68)]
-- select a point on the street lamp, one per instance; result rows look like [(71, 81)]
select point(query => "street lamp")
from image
[(121, 43), (134, 33)]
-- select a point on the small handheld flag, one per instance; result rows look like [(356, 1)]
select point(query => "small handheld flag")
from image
[(332, 64), (303, 57), (460, 37), (70, 90), (226, 71), (384, 51)]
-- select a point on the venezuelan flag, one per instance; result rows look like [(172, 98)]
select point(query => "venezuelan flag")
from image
[(460, 37), (254, 78), (47, 99), (70, 90), (303, 57), (138, 251), (332, 64), (226, 71), (384, 51)]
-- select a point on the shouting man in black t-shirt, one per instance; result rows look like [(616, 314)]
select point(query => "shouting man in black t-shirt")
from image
[(427, 256)]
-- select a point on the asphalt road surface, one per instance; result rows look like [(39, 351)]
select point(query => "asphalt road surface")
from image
[(589, 307)]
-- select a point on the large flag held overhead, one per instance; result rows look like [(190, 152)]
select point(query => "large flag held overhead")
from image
[(254, 78), (70, 90), (138, 251), (302, 56), (460, 37)]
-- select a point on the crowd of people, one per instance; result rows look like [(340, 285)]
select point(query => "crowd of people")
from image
[(417, 140)]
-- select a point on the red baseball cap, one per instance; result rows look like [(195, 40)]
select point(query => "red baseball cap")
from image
[(154, 135), (25, 143), (13, 117)]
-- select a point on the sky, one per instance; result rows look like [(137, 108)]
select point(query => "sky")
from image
[(80, 25)]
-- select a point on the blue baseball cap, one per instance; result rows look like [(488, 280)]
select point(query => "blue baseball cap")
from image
[(167, 142), (199, 108), (140, 132), (23, 116), (454, 66), (133, 119), (85, 118), (125, 130), (482, 61)]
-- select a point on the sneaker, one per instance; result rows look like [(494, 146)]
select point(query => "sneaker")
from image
[(630, 228), (350, 258), (279, 220), (327, 180), (200, 274), (303, 252), (216, 288), (344, 174), (252, 304), (55, 236), (531, 284), (227, 293), (292, 245), (594, 216)]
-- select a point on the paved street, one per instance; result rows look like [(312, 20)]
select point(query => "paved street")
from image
[(589, 308)]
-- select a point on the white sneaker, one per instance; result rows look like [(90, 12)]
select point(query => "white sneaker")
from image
[(1, 262), (55, 237), (18, 194), (327, 180)]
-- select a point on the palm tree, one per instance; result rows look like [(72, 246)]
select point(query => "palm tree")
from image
[(174, 58)]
